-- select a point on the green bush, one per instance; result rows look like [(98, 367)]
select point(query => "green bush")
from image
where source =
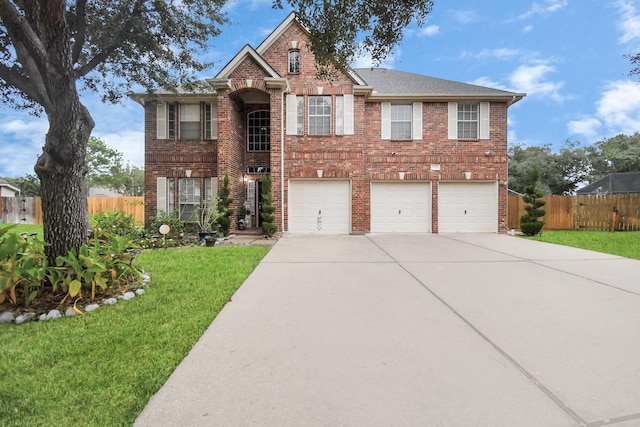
[(175, 224), (113, 223), (268, 218), (224, 203)]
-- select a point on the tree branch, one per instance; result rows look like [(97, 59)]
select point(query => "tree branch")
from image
[(81, 28), (104, 54), (21, 83), (19, 30)]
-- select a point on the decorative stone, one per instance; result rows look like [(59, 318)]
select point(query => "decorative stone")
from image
[(146, 277), (70, 312), (43, 317), (128, 295), (54, 314), (139, 291), (110, 301), (6, 317), (24, 318), (91, 307)]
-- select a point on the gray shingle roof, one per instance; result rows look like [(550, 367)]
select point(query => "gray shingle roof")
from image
[(391, 82)]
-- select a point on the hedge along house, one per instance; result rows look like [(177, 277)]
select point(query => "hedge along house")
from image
[(374, 150)]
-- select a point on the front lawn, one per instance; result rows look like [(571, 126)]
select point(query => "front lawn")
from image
[(623, 243), (103, 367)]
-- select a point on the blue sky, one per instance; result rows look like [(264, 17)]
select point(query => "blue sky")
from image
[(567, 55)]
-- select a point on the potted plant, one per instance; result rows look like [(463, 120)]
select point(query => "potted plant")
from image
[(207, 216)]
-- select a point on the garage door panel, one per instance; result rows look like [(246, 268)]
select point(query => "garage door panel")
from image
[(319, 207), (400, 207), (467, 207)]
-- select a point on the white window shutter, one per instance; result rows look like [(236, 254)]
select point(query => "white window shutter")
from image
[(161, 194), (416, 123), (348, 115), (339, 115), (386, 120), (453, 120), (484, 120), (292, 115), (214, 120), (214, 190), (161, 120)]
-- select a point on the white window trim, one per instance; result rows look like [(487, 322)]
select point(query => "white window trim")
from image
[(416, 120), (483, 120), (309, 116)]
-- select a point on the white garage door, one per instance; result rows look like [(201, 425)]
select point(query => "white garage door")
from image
[(319, 207), (467, 207), (400, 207)]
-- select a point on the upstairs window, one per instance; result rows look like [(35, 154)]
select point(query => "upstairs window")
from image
[(171, 121), (259, 131), (319, 115), (189, 121), (467, 121), (294, 61), (401, 121)]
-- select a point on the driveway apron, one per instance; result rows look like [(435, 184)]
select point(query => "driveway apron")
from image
[(417, 330)]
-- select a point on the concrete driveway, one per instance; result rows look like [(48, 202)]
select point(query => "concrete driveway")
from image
[(417, 330)]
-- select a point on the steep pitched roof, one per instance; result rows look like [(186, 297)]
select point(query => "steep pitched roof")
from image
[(388, 83)]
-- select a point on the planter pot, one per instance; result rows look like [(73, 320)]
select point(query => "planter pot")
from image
[(208, 238)]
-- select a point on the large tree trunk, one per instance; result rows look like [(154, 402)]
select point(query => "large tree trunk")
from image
[(62, 168)]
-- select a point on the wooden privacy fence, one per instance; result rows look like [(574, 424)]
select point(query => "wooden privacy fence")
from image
[(610, 212), (28, 210)]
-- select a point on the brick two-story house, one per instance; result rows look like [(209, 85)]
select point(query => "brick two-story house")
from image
[(375, 150)]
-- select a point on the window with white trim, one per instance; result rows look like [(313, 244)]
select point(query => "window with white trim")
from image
[(467, 121), (319, 115), (188, 198), (259, 131), (401, 121), (171, 121), (294, 61), (189, 121)]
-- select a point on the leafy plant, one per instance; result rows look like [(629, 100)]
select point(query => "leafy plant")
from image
[(529, 223), (224, 203), (113, 223), (176, 225), (207, 215), (268, 218), (23, 267)]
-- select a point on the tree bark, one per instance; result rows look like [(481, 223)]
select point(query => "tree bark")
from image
[(62, 169)]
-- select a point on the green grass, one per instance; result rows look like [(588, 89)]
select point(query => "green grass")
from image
[(24, 228), (103, 367), (623, 243)]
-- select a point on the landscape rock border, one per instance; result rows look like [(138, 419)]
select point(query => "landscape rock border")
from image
[(9, 317)]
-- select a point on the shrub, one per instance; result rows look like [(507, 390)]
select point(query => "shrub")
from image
[(175, 224), (529, 223), (268, 225), (224, 203), (113, 223)]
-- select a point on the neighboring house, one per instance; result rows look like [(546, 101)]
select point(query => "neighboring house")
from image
[(374, 150), (614, 183), (102, 192), (8, 190)]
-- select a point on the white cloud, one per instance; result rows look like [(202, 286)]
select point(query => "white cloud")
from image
[(629, 24), (587, 126), (464, 16), (502, 53), (364, 60), (430, 30), (549, 6), (617, 111), (21, 141), (533, 80), (488, 82), (527, 28)]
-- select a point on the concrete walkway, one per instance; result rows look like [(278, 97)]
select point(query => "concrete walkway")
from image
[(417, 330)]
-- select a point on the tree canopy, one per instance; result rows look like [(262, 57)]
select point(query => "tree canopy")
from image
[(107, 169), (573, 165)]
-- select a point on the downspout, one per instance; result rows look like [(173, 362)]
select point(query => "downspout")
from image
[(282, 161)]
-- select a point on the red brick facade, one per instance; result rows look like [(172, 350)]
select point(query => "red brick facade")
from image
[(362, 158)]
